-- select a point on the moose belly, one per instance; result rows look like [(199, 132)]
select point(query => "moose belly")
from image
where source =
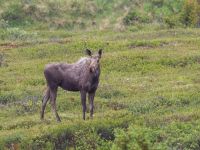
[(69, 86)]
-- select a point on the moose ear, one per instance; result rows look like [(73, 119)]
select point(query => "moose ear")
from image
[(88, 52), (100, 52)]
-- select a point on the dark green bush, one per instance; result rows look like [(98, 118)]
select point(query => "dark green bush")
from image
[(79, 135), (157, 3), (7, 97), (89, 140), (134, 17), (136, 138), (190, 13), (12, 141), (14, 14), (172, 21)]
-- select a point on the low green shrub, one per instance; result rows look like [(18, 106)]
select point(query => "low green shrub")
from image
[(14, 14), (134, 17), (8, 97), (15, 34), (94, 134), (4, 24), (172, 21), (89, 139), (190, 13), (175, 136), (135, 138), (147, 43), (3, 62), (180, 62)]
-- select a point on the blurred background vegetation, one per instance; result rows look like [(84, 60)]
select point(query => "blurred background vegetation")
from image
[(148, 96), (99, 14)]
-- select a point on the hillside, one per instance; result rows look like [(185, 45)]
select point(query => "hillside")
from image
[(98, 14), (148, 96)]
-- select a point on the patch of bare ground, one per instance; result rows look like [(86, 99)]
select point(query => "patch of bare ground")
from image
[(12, 45), (7, 46)]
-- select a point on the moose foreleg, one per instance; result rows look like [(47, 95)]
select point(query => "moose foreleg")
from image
[(91, 101), (83, 101)]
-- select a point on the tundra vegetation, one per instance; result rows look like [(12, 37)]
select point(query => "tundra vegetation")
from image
[(148, 96)]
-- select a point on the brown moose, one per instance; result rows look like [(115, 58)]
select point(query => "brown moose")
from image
[(81, 76)]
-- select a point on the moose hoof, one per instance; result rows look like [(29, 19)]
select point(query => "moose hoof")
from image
[(58, 120)]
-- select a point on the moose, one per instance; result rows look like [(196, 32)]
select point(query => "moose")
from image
[(82, 76)]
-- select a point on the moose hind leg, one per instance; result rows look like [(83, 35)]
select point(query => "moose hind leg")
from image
[(53, 95), (44, 102), (91, 101)]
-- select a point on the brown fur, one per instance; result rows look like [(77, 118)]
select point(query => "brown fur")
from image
[(81, 76)]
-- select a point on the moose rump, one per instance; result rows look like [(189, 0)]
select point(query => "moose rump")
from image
[(81, 76)]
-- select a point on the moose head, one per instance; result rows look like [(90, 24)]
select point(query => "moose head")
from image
[(95, 60)]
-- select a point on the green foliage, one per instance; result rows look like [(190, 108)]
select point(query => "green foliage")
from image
[(163, 8), (148, 96), (16, 34), (2, 60), (7, 97), (136, 138), (98, 14), (90, 140), (172, 21), (190, 13), (175, 136), (4, 24), (14, 14), (135, 17)]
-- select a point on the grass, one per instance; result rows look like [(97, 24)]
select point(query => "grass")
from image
[(99, 14), (149, 87)]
